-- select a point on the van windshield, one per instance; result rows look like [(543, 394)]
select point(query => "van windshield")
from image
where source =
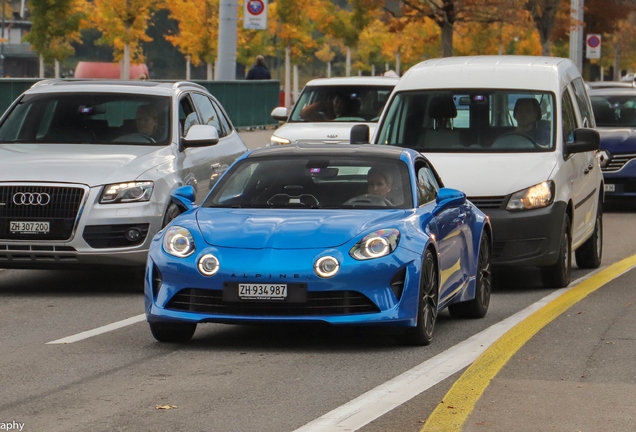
[(482, 120)]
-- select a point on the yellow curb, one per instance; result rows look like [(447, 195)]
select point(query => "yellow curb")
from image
[(461, 399)]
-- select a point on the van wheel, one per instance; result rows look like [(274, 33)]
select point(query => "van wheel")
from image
[(172, 332), (477, 307), (422, 333), (558, 274), (590, 254)]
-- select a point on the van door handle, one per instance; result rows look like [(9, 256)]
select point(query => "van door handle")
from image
[(589, 168)]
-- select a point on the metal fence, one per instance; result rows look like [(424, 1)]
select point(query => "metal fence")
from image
[(248, 103)]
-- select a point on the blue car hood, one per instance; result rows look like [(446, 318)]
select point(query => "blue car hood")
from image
[(618, 140), (290, 229)]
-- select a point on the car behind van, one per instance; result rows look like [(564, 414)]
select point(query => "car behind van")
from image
[(515, 133)]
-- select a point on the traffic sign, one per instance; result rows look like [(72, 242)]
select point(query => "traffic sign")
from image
[(255, 15), (593, 46)]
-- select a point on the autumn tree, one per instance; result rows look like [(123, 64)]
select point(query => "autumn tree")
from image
[(198, 22), (56, 26), (123, 24)]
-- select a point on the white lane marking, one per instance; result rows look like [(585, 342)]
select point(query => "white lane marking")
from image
[(99, 330), (378, 401)]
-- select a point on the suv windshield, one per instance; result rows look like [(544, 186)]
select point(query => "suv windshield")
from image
[(314, 182), (470, 121), (88, 118), (341, 103), (614, 110)]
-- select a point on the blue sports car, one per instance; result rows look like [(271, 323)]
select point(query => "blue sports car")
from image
[(347, 235)]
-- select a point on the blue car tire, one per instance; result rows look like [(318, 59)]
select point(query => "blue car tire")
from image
[(172, 332), (422, 333), (477, 307)]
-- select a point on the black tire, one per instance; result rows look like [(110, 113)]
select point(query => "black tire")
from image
[(590, 254), (171, 212), (172, 332), (422, 333), (477, 307), (558, 274)]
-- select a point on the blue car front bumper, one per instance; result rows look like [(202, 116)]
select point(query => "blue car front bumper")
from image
[(378, 291)]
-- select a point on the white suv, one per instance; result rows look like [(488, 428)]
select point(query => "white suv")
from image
[(328, 107), (87, 167), (514, 133)]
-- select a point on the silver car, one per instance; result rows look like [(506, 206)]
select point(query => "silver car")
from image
[(87, 167)]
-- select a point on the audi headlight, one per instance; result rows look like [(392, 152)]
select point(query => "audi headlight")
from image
[(274, 140), (127, 192), (375, 245), (536, 196), (178, 241)]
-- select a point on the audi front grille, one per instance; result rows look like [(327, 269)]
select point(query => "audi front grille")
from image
[(59, 206)]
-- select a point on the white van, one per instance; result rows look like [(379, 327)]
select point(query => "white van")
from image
[(514, 133)]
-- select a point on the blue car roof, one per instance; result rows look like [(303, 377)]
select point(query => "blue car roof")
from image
[(370, 150)]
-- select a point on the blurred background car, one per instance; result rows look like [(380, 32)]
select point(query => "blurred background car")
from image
[(327, 109), (615, 114), (87, 167)]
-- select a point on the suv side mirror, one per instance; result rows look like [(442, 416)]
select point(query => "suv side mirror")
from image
[(584, 140), (280, 114), (201, 136), (359, 134)]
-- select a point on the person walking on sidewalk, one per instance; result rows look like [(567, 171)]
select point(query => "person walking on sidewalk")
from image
[(259, 71)]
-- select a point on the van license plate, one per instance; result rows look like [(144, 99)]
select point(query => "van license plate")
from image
[(610, 187)]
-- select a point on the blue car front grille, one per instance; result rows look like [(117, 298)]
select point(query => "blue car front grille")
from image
[(319, 303)]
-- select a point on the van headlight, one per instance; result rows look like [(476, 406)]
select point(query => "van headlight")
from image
[(127, 192), (274, 140), (375, 245), (536, 196), (178, 241)]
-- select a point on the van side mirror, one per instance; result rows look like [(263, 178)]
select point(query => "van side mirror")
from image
[(584, 140), (280, 114), (359, 134), (201, 136)]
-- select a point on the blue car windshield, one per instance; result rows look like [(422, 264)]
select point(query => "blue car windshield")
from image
[(314, 182), (88, 118), (470, 121)]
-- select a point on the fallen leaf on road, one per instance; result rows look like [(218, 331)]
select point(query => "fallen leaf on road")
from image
[(530, 358), (166, 407), (483, 424), (579, 386)]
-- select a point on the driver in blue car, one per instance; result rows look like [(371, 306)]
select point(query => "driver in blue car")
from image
[(527, 113), (147, 119), (379, 182)]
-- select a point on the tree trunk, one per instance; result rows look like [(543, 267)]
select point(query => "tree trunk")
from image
[(397, 63), (188, 62), (287, 78), (57, 68), (295, 83), (348, 62), (209, 74), (617, 59), (41, 66), (328, 69), (126, 75), (447, 39)]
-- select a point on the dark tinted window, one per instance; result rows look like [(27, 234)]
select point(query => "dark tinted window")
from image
[(615, 110), (313, 183)]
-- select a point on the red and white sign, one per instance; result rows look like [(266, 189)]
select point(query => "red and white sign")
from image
[(593, 46), (255, 15)]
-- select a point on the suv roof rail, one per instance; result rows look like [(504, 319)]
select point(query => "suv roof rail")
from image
[(178, 84), (45, 81)]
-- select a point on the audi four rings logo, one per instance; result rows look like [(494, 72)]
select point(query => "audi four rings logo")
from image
[(28, 198)]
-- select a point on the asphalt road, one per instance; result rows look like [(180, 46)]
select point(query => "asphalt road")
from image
[(246, 378)]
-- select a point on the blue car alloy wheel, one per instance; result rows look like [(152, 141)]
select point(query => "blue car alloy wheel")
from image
[(363, 235)]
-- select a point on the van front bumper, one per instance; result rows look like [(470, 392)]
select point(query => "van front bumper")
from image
[(527, 237)]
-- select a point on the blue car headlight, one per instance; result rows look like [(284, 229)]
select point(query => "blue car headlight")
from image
[(375, 245), (178, 241)]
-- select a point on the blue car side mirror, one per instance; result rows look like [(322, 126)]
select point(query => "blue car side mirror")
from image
[(449, 198), (183, 197)]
